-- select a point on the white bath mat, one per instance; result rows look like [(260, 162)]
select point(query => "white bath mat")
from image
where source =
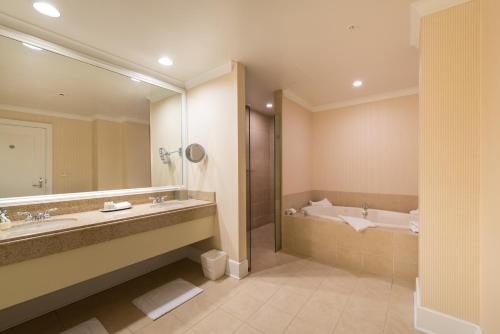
[(165, 298), (92, 326)]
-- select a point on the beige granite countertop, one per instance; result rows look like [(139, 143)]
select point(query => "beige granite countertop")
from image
[(64, 232)]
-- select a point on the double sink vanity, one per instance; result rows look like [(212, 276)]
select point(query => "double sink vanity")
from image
[(70, 248)]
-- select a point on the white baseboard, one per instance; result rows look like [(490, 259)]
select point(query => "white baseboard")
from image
[(237, 269), (234, 269), (433, 322)]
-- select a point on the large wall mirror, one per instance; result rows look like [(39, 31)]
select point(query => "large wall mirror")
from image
[(67, 126)]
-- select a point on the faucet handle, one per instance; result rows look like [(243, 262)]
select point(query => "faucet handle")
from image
[(46, 213), (28, 215)]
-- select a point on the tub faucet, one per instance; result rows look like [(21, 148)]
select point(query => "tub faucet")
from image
[(158, 199), (364, 213)]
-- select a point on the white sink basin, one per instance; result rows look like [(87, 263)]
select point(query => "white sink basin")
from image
[(38, 227), (174, 204)]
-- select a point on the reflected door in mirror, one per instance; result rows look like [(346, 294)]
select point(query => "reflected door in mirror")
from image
[(24, 154)]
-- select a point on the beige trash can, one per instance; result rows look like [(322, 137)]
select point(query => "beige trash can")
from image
[(214, 264)]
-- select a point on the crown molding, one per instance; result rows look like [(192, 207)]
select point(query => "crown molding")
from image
[(210, 75), (51, 113), (367, 99), (297, 99), (52, 41), (421, 8)]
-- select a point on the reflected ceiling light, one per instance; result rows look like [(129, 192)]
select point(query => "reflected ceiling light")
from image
[(46, 9), (357, 83), (134, 79), (32, 47), (165, 61), (269, 105)]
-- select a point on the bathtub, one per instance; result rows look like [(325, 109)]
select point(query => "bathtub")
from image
[(381, 218)]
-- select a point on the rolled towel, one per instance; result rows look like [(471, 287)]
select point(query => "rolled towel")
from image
[(414, 226), (359, 224), (122, 205), (324, 202)]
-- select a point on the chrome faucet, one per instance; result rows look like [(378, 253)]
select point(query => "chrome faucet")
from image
[(158, 199), (4, 216), (37, 217), (364, 213)]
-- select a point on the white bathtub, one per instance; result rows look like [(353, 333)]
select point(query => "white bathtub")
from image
[(381, 218)]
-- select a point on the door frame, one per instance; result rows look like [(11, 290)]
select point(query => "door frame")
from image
[(48, 144)]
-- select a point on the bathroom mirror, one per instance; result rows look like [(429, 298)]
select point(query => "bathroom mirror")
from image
[(195, 153), (69, 124)]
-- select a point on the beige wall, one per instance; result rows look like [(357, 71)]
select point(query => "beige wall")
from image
[(367, 148), (136, 158), (490, 166), (297, 154), (216, 120), (108, 155), (261, 168), (449, 161), (166, 132), (94, 155)]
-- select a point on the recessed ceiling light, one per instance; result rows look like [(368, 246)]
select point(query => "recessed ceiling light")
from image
[(134, 79), (46, 8), (32, 47), (269, 105), (357, 83), (165, 61)]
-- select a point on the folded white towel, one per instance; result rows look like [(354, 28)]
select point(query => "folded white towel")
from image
[(414, 226), (414, 212), (359, 224), (324, 202), (122, 205)]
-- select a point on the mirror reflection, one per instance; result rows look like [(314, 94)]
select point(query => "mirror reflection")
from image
[(67, 126)]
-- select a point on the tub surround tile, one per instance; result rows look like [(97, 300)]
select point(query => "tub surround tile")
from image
[(297, 200), (390, 202), (391, 253)]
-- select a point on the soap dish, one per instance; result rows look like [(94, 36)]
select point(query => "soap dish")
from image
[(115, 209), (110, 206)]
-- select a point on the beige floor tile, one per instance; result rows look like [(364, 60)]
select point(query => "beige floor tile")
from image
[(259, 289), (194, 310), (323, 312), (299, 326), (247, 329), (349, 324), (369, 310), (122, 315), (242, 306), (397, 324), (46, 324), (218, 322), (270, 320), (341, 282), (288, 300), (165, 324)]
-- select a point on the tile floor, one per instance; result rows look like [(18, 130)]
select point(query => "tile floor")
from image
[(284, 294)]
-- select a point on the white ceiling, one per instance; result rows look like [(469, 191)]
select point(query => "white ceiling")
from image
[(34, 79), (300, 45)]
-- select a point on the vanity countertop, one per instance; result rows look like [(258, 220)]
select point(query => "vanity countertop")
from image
[(65, 232)]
